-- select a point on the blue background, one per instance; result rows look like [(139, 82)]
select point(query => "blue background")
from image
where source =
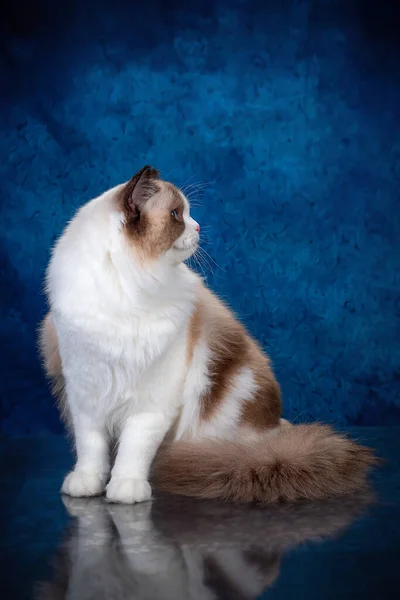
[(287, 110)]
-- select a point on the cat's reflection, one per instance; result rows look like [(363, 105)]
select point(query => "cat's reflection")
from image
[(178, 549)]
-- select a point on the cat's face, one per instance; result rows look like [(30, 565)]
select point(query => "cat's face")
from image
[(157, 218)]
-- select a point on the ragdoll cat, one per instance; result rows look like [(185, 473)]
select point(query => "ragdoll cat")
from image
[(147, 361)]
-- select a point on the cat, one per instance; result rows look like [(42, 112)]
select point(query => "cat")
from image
[(169, 549), (147, 361)]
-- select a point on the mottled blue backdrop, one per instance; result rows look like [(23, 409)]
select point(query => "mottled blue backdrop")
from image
[(288, 111)]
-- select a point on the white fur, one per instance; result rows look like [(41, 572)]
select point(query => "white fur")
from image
[(196, 383), (122, 333), (225, 422), (122, 330)]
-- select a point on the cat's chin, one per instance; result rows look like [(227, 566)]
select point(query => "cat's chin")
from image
[(182, 254)]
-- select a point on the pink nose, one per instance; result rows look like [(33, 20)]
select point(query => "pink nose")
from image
[(197, 228)]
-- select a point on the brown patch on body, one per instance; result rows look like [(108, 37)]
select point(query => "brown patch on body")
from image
[(147, 203), (233, 349), (48, 344), (265, 408), (50, 354), (194, 332), (228, 346)]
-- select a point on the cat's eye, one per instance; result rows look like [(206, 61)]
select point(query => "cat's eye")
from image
[(175, 214)]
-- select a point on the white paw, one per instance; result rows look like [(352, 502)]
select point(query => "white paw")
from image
[(128, 491), (80, 484)]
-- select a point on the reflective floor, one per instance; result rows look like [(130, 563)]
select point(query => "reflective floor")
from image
[(174, 548)]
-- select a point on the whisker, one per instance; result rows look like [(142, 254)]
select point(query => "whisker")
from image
[(195, 194), (206, 260), (191, 187), (205, 240), (197, 262), (195, 203), (188, 180), (194, 190), (199, 185), (201, 259), (211, 258)]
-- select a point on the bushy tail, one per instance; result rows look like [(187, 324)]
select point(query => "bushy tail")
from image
[(300, 462)]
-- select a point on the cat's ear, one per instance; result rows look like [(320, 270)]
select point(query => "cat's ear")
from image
[(139, 190)]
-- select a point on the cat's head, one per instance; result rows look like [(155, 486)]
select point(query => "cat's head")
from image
[(157, 218)]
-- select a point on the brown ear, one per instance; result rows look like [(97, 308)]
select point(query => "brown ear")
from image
[(138, 190)]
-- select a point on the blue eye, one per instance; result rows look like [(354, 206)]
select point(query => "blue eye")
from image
[(175, 214)]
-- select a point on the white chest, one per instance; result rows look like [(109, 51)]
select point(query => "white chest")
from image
[(108, 362)]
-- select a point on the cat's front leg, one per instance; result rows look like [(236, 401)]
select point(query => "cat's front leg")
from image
[(139, 441), (92, 467)]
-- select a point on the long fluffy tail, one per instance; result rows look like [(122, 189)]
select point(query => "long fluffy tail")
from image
[(300, 462)]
